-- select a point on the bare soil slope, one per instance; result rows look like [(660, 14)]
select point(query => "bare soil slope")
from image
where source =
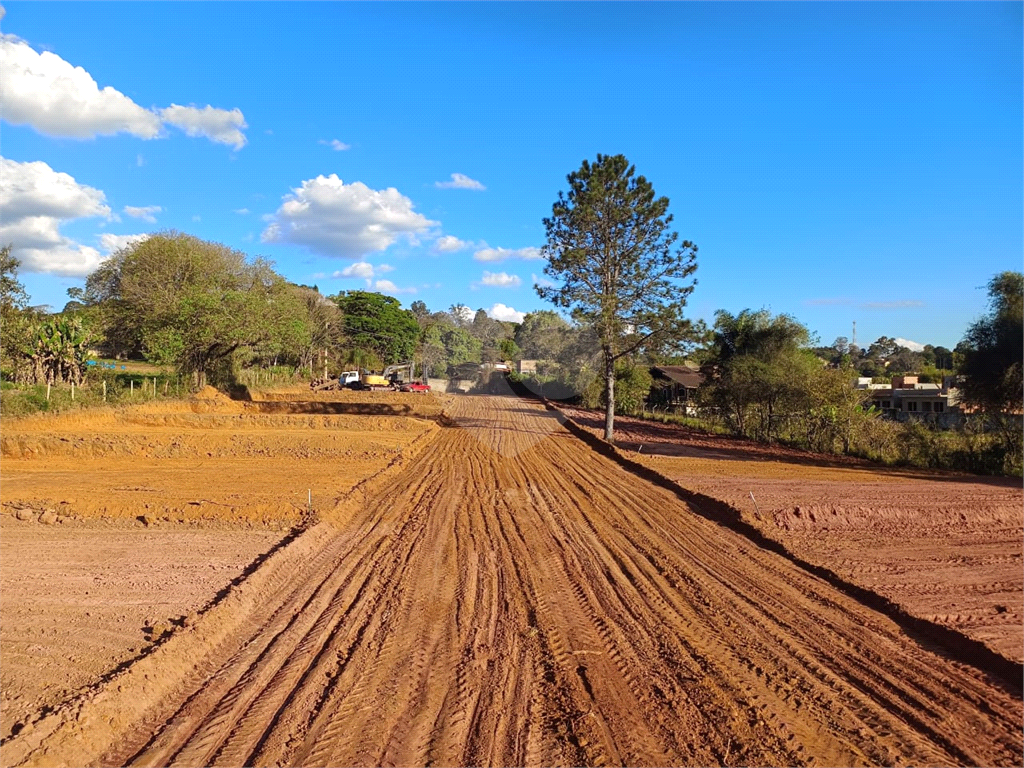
[(949, 548), (514, 598), (252, 463)]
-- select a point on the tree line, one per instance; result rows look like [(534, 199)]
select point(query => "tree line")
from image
[(615, 268)]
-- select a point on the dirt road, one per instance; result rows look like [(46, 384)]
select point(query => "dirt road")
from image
[(513, 597), (946, 547)]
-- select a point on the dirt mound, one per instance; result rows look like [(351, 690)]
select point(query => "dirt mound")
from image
[(199, 460), (209, 393)]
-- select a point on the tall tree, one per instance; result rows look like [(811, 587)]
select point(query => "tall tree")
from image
[(616, 264), (992, 362), (189, 302), (757, 368), (377, 324), (12, 293), (18, 323)]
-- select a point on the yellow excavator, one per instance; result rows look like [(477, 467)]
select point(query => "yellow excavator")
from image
[(392, 377)]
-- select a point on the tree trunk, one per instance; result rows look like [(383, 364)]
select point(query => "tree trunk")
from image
[(609, 394)]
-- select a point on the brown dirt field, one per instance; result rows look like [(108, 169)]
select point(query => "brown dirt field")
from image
[(208, 459), (949, 548), (515, 597), (76, 597), (140, 510)]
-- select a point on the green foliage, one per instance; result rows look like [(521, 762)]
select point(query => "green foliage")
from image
[(17, 323), (444, 346), (12, 293), (542, 335), (54, 351), (757, 370), (992, 364), (615, 263), (377, 324), (508, 349), (191, 303), (121, 389)]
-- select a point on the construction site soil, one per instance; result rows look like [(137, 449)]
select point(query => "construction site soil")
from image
[(498, 591), (949, 548)]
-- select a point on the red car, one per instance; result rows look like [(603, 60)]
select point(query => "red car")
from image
[(415, 386)]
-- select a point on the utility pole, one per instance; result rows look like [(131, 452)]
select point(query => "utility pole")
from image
[(853, 341)]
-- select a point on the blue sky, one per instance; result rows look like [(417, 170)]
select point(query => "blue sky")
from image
[(837, 162)]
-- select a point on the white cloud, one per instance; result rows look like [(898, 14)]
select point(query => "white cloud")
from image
[(386, 286), (450, 244), (220, 125), (362, 269), (349, 220), (501, 280), (59, 99), (337, 146), (500, 254), (145, 212), (35, 200), (113, 243), (507, 314), (242, 211), (460, 181), (197, 217), (911, 345), (140, 161)]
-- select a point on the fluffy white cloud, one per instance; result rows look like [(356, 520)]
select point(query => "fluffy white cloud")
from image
[(911, 345), (500, 254), (242, 211), (337, 146), (348, 220), (362, 269), (460, 181), (501, 279), (58, 99), (509, 315), (35, 200), (386, 286), (450, 244), (112, 243), (145, 212), (221, 125)]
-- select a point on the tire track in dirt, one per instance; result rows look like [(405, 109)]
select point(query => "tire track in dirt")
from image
[(513, 597)]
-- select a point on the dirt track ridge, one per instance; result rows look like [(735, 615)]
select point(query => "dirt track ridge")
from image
[(512, 597)]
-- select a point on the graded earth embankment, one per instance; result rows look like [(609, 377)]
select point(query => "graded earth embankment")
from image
[(514, 597), (117, 524), (948, 548), (209, 459)]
